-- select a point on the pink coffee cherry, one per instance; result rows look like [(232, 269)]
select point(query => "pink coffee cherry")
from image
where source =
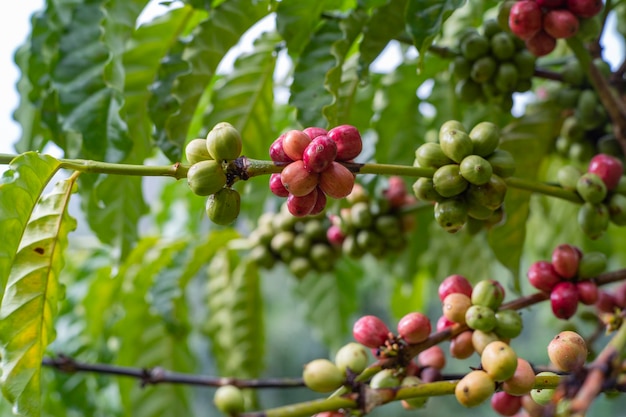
[(443, 323), (587, 292), (433, 357), (300, 206), (370, 331), (564, 300), (506, 404), (348, 139), (277, 187), (608, 168), (314, 132), (606, 302), (565, 259), (414, 327), (319, 154), (525, 19), (543, 276), (334, 235), (396, 192), (560, 24), (454, 283), (277, 153), (541, 43), (294, 144), (320, 203)]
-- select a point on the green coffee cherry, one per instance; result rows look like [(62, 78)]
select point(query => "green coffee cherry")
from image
[(384, 379), (499, 360), (525, 63), (450, 125), (488, 293), (593, 219), (502, 163), (591, 264), (353, 356), (483, 69), (573, 73), (478, 212), (491, 28), (229, 399), (543, 396), (468, 90), (572, 130), (474, 47), (299, 266), (196, 151), (413, 403), (509, 324), (479, 317), (361, 215), (502, 46), (451, 214), (424, 189), (455, 144), (617, 209), (223, 206), (476, 170), (448, 181), (568, 177), (490, 195), (485, 137), (461, 67), (206, 177), (591, 188), (224, 142), (506, 77), (322, 375), (430, 155)]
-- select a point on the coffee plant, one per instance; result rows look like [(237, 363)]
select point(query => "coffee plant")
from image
[(330, 208)]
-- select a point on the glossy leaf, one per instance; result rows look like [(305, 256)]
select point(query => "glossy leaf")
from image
[(236, 323), (295, 20), (30, 301)]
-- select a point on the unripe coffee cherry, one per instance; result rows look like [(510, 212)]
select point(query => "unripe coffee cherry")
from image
[(443, 323), (336, 181), (591, 188), (432, 357), (229, 399), (522, 380), (591, 265), (455, 144), (451, 214), (485, 137), (509, 324), (481, 318), (430, 155), (608, 168), (461, 346), (448, 181), (353, 356), (224, 142), (297, 180), (560, 24), (568, 351), (543, 396), (525, 19), (499, 360), (565, 260), (543, 276), (454, 283), (348, 140), (321, 375), (488, 293), (385, 379), (223, 207), (294, 144), (319, 154), (370, 331), (206, 177), (277, 153), (414, 327), (506, 404), (455, 306), (564, 300), (490, 195), (481, 339), (593, 219), (196, 151), (476, 170), (474, 388)]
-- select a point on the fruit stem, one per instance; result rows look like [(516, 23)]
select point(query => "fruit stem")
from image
[(543, 188)]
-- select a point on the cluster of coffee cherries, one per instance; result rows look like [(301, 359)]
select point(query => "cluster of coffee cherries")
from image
[(541, 22), (468, 181), (478, 307), (492, 66), (206, 176), (568, 278), (313, 170), (603, 189), (375, 226)]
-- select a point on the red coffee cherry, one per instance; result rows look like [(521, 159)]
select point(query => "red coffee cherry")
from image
[(277, 187), (585, 8), (370, 331), (606, 302), (396, 192), (294, 144), (336, 180), (334, 235), (320, 203), (433, 357), (454, 283), (587, 292), (314, 132), (551, 4), (319, 154), (565, 259), (543, 276), (541, 44), (414, 327), (564, 300), (560, 24), (300, 206), (608, 168), (525, 19), (297, 180), (443, 323), (505, 404), (277, 153), (348, 139)]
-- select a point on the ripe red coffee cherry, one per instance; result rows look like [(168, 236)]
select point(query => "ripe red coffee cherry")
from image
[(568, 351), (348, 139), (505, 404), (585, 8), (525, 19), (297, 180), (543, 276), (551, 4), (432, 357), (314, 132), (277, 187), (454, 283), (414, 327), (336, 181), (300, 206), (294, 144), (522, 380), (320, 203), (319, 154), (541, 44), (606, 302), (587, 292), (277, 153), (608, 168), (370, 331), (565, 259), (560, 24), (564, 300)]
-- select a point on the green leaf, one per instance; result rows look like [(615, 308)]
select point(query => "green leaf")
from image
[(245, 97), (235, 324), (210, 41), (20, 187), (295, 20), (307, 93), (30, 301), (425, 19)]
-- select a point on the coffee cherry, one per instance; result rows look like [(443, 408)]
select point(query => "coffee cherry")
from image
[(474, 46), (481, 318), (224, 142), (321, 375), (277, 153), (313, 132), (522, 380), (430, 155), (319, 154), (551, 4), (455, 144), (229, 399), (617, 209), (432, 357), (506, 77), (223, 207), (443, 323), (395, 193), (276, 186), (587, 292), (585, 8), (353, 356), (541, 44), (591, 188), (506, 404), (385, 379), (370, 331), (297, 180), (591, 265), (543, 276), (509, 324), (485, 137), (448, 181), (294, 144), (490, 195), (206, 177), (320, 203), (475, 170), (460, 67), (454, 284), (424, 189), (455, 306), (565, 260), (568, 177), (336, 181), (608, 168), (474, 388), (348, 140), (499, 360), (567, 351), (413, 403), (593, 219), (543, 396), (483, 69), (196, 151), (461, 346), (560, 24), (564, 300), (451, 214), (300, 206), (525, 19), (414, 327), (488, 293), (502, 46)]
